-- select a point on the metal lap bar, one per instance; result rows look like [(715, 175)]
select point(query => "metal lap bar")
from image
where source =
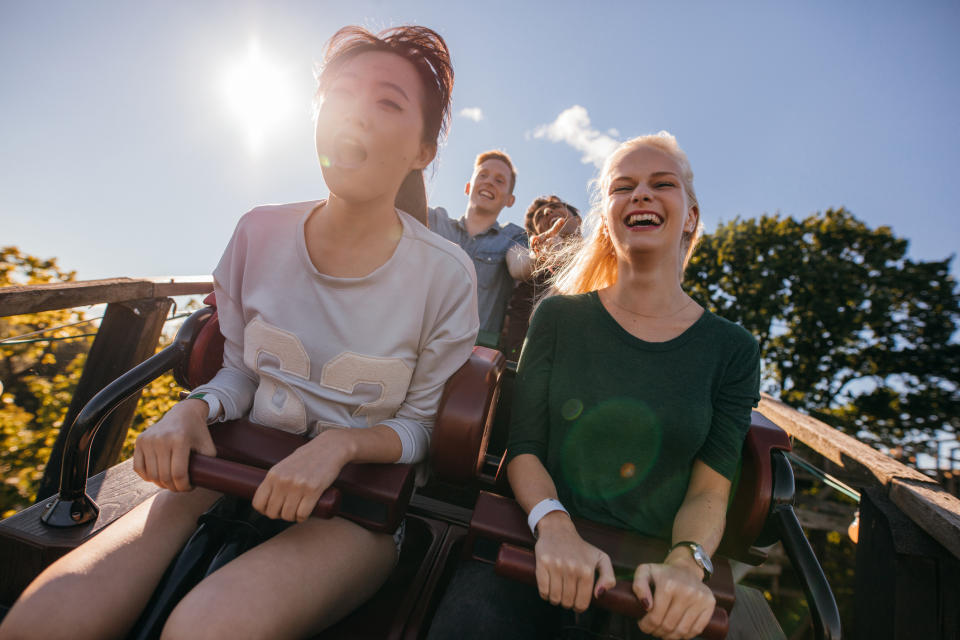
[(73, 506), (823, 606)]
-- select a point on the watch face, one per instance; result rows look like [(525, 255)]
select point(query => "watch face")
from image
[(703, 560)]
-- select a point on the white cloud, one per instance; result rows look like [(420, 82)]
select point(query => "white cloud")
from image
[(472, 113), (572, 126)]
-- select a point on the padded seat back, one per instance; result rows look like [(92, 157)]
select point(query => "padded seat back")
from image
[(750, 504)]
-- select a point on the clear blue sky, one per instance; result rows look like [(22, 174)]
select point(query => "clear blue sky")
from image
[(122, 155)]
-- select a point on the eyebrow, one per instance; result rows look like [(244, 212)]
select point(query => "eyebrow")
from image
[(382, 83), (652, 175)]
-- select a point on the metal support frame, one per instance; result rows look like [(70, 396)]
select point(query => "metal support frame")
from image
[(823, 606), (73, 506)]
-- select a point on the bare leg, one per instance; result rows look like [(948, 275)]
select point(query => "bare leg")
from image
[(98, 589), (295, 584)]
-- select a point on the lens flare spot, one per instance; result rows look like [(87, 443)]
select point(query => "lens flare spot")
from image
[(324, 161), (611, 448), (571, 409)]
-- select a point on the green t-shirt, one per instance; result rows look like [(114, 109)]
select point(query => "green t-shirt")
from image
[(618, 421)]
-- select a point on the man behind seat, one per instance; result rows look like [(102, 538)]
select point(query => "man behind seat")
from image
[(499, 252)]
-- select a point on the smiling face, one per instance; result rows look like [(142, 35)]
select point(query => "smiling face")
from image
[(549, 213), (489, 187), (646, 207), (370, 127)]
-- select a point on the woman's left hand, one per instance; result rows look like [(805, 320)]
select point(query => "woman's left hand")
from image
[(293, 486), (680, 604)]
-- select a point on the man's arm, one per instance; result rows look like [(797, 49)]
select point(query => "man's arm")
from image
[(520, 262)]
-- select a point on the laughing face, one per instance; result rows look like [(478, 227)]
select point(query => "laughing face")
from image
[(489, 187), (370, 127), (645, 204), (549, 213)]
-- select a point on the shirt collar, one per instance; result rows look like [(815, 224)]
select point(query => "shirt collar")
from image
[(495, 227)]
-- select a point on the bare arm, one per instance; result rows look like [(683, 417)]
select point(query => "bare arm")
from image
[(566, 564), (702, 515), (680, 604), (519, 263)]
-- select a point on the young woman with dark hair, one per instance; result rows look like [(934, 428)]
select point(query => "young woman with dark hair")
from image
[(331, 331)]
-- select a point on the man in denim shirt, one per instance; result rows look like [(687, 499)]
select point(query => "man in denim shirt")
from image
[(499, 252)]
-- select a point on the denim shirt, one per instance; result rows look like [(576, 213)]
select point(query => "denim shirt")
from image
[(488, 250)]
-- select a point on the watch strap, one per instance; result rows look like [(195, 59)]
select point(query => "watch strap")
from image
[(542, 508), (699, 554)]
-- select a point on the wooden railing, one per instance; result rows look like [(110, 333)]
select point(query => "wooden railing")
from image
[(917, 495), (907, 570), (128, 335)]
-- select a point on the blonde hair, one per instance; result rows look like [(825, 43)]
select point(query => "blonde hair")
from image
[(591, 263)]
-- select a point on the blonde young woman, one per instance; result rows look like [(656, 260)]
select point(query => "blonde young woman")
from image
[(630, 409), (331, 331), (632, 401)]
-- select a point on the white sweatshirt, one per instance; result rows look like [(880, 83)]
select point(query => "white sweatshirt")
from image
[(306, 352)]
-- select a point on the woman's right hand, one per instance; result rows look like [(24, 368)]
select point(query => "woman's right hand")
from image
[(162, 453), (566, 564)]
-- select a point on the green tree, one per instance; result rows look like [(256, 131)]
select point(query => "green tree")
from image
[(37, 377), (851, 329), (41, 359)]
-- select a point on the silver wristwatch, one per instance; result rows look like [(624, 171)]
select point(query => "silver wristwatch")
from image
[(699, 556)]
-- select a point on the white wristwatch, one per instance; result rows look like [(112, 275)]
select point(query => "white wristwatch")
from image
[(542, 508), (213, 404)]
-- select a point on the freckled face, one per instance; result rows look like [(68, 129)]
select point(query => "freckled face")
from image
[(370, 126), (645, 204)]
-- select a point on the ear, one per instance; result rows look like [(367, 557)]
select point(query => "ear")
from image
[(510, 201), (466, 188), (693, 219), (426, 155)]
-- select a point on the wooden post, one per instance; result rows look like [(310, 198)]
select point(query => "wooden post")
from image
[(128, 335), (907, 585)]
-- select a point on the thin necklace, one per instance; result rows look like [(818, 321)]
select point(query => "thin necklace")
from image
[(644, 315)]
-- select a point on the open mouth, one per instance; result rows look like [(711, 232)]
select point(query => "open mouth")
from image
[(645, 219), (348, 151), (485, 193)]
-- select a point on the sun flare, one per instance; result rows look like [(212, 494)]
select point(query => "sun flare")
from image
[(259, 95)]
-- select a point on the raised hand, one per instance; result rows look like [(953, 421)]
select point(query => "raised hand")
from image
[(549, 239), (162, 452)]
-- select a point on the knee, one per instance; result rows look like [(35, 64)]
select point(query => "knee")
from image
[(43, 614)]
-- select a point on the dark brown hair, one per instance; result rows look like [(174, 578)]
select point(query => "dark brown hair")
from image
[(540, 203), (423, 47), (496, 154)]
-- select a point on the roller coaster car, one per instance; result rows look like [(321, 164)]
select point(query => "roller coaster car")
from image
[(448, 520)]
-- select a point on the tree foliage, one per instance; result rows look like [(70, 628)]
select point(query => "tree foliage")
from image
[(851, 330), (38, 374), (37, 377)]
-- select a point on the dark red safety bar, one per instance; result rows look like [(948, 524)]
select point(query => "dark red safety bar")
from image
[(242, 481), (500, 523), (520, 564), (373, 495)]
